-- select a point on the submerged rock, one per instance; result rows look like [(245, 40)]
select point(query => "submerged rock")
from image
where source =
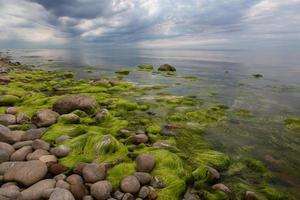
[(75, 102), (44, 118), (166, 67)]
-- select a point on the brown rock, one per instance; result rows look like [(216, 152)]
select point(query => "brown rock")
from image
[(20, 154), (130, 184), (37, 154), (44, 118), (145, 163), (11, 110), (57, 168), (77, 187), (101, 190), (35, 191), (93, 173)]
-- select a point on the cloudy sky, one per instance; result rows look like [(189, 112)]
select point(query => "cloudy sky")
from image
[(147, 23)]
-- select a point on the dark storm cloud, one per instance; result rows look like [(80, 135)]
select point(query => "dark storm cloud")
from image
[(142, 21)]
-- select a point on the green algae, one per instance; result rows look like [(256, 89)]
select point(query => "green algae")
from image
[(153, 129), (218, 195), (292, 123), (118, 172), (146, 67), (212, 158), (9, 100)]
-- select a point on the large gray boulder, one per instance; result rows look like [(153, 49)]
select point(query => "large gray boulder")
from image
[(61, 194), (7, 119), (75, 102), (44, 118), (35, 192), (26, 173)]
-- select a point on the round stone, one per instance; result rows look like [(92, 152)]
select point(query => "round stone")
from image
[(145, 163), (130, 184), (93, 173), (101, 190)]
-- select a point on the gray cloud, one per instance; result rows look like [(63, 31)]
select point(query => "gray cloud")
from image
[(144, 22)]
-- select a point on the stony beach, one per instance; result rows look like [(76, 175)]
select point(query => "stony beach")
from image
[(63, 138)]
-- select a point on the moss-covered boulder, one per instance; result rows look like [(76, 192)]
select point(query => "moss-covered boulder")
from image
[(167, 68), (147, 67), (9, 100)]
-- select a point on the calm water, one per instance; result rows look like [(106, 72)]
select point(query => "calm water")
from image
[(228, 73)]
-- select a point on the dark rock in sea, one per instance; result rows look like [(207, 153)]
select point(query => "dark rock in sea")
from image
[(75, 102), (145, 163), (257, 75), (44, 118), (166, 67)]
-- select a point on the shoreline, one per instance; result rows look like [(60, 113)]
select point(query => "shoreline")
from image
[(112, 129)]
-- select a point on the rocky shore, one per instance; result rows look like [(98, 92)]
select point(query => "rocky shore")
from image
[(63, 139)]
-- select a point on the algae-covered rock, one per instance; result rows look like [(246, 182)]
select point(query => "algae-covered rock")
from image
[(146, 67), (71, 103), (70, 118), (9, 100), (123, 71), (166, 67)]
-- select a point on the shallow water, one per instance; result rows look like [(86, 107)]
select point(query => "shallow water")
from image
[(227, 75)]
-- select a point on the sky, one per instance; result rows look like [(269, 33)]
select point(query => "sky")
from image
[(148, 23)]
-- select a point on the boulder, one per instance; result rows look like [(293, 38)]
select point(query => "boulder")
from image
[(101, 190), (11, 110), (44, 118), (62, 138), (144, 192), (139, 138), (9, 149), (9, 100), (62, 184), (250, 196), (6, 166), (4, 156), (61, 194), (37, 154), (40, 144), (35, 192), (19, 145), (70, 118), (23, 118), (145, 163), (7, 119), (5, 134), (166, 67), (93, 173), (20, 154), (221, 187), (77, 186), (60, 151), (48, 159), (143, 177), (9, 194), (26, 173), (33, 134), (75, 102), (130, 184), (57, 168)]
